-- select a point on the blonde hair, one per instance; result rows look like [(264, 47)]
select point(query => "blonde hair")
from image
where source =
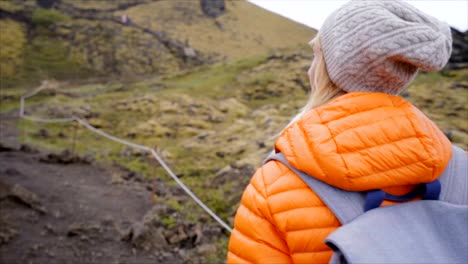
[(323, 89)]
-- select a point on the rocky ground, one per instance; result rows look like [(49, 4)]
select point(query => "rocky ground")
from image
[(63, 208)]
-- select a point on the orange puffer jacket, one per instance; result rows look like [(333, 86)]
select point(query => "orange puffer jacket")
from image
[(359, 141)]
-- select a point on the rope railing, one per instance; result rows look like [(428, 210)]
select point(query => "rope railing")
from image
[(147, 149)]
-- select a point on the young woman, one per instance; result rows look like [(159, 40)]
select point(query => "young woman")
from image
[(355, 133)]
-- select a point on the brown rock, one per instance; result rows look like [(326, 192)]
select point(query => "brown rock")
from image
[(147, 234), (7, 233), (206, 249), (26, 197)]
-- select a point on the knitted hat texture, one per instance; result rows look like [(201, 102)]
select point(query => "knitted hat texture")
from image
[(379, 45)]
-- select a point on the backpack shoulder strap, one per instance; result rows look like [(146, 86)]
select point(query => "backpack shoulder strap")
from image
[(345, 205), (348, 205), (454, 179)]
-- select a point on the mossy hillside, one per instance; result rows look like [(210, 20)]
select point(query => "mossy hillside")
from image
[(243, 30), (85, 38), (13, 41), (26, 60), (19, 6), (48, 57), (72, 49)]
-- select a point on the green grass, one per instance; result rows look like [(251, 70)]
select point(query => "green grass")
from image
[(209, 81), (13, 42), (168, 221), (48, 17), (7, 5)]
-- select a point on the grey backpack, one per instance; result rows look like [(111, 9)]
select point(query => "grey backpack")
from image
[(432, 230)]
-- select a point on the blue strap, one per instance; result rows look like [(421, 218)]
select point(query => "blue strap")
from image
[(430, 191), (373, 199)]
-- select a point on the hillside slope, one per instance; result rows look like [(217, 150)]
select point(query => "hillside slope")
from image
[(78, 39), (243, 30)]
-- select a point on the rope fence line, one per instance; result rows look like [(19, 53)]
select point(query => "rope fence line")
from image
[(147, 149)]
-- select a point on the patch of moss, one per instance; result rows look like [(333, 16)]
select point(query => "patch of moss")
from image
[(140, 165), (12, 43), (174, 204), (46, 17), (47, 57), (93, 4), (211, 80), (10, 6), (168, 221), (30, 133), (262, 79)]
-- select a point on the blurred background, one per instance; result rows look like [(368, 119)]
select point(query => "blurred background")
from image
[(207, 84)]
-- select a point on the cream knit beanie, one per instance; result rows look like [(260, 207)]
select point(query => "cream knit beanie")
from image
[(378, 45)]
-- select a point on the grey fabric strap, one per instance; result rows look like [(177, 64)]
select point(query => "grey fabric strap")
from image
[(454, 180), (349, 205), (345, 205)]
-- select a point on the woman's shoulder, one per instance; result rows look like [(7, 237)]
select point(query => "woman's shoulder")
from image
[(282, 189), (293, 206), (274, 177)]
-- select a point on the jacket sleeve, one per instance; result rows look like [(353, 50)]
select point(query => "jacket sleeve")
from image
[(255, 238)]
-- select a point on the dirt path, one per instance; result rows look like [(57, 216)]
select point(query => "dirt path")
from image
[(64, 209), (74, 213)]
